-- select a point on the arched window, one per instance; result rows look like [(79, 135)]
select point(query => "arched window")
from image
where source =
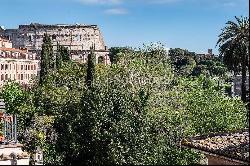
[(53, 37), (100, 59), (30, 38)]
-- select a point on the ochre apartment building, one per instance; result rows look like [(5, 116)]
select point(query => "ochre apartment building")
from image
[(16, 64)]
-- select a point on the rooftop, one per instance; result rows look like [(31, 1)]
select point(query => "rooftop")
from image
[(234, 145), (15, 50), (38, 25)]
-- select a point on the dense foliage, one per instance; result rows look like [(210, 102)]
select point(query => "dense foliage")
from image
[(136, 112), (188, 64)]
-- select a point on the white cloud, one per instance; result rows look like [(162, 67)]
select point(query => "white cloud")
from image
[(115, 2), (122, 3), (116, 11), (118, 2), (101, 2), (163, 1), (229, 4)]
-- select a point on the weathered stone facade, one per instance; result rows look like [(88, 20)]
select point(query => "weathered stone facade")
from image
[(77, 38), (236, 85)]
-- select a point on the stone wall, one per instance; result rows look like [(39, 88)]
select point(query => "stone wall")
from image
[(77, 38), (236, 87), (82, 56), (74, 37), (218, 160)]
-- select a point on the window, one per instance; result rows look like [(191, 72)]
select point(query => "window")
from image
[(28, 67), (34, 67), (2, 77), (14, 77), (31, 67), (10, 66), (30, 38), (2, 66), (38, 157), (6, 76), (78, 38), (53, 37), (21, 76), (18, 76), (25, 67), (21, 67), (6, 66), (100, 59)]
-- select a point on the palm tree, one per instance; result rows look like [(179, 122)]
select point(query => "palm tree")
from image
[(234, 47)]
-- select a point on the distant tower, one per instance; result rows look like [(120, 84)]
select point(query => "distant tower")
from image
[(210, 51)]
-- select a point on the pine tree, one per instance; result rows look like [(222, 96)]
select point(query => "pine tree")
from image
[(46, 55), (90, 67)]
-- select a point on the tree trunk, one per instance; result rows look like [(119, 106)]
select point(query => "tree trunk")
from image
[(248, 70), (243, 79)]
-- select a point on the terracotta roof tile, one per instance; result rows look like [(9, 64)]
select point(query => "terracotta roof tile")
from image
[(234, 145), (12, 49), (15, 50)]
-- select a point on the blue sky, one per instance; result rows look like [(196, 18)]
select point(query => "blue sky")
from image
[(190, 24)]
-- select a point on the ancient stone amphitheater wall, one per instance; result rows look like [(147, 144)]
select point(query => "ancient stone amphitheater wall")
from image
[(77, 38)]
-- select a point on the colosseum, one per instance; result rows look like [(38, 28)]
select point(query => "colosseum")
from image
[(78, 38)]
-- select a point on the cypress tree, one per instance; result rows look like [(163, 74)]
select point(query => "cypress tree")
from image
[(65, 54), (90, 68), (46, 54), (59, 56)]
